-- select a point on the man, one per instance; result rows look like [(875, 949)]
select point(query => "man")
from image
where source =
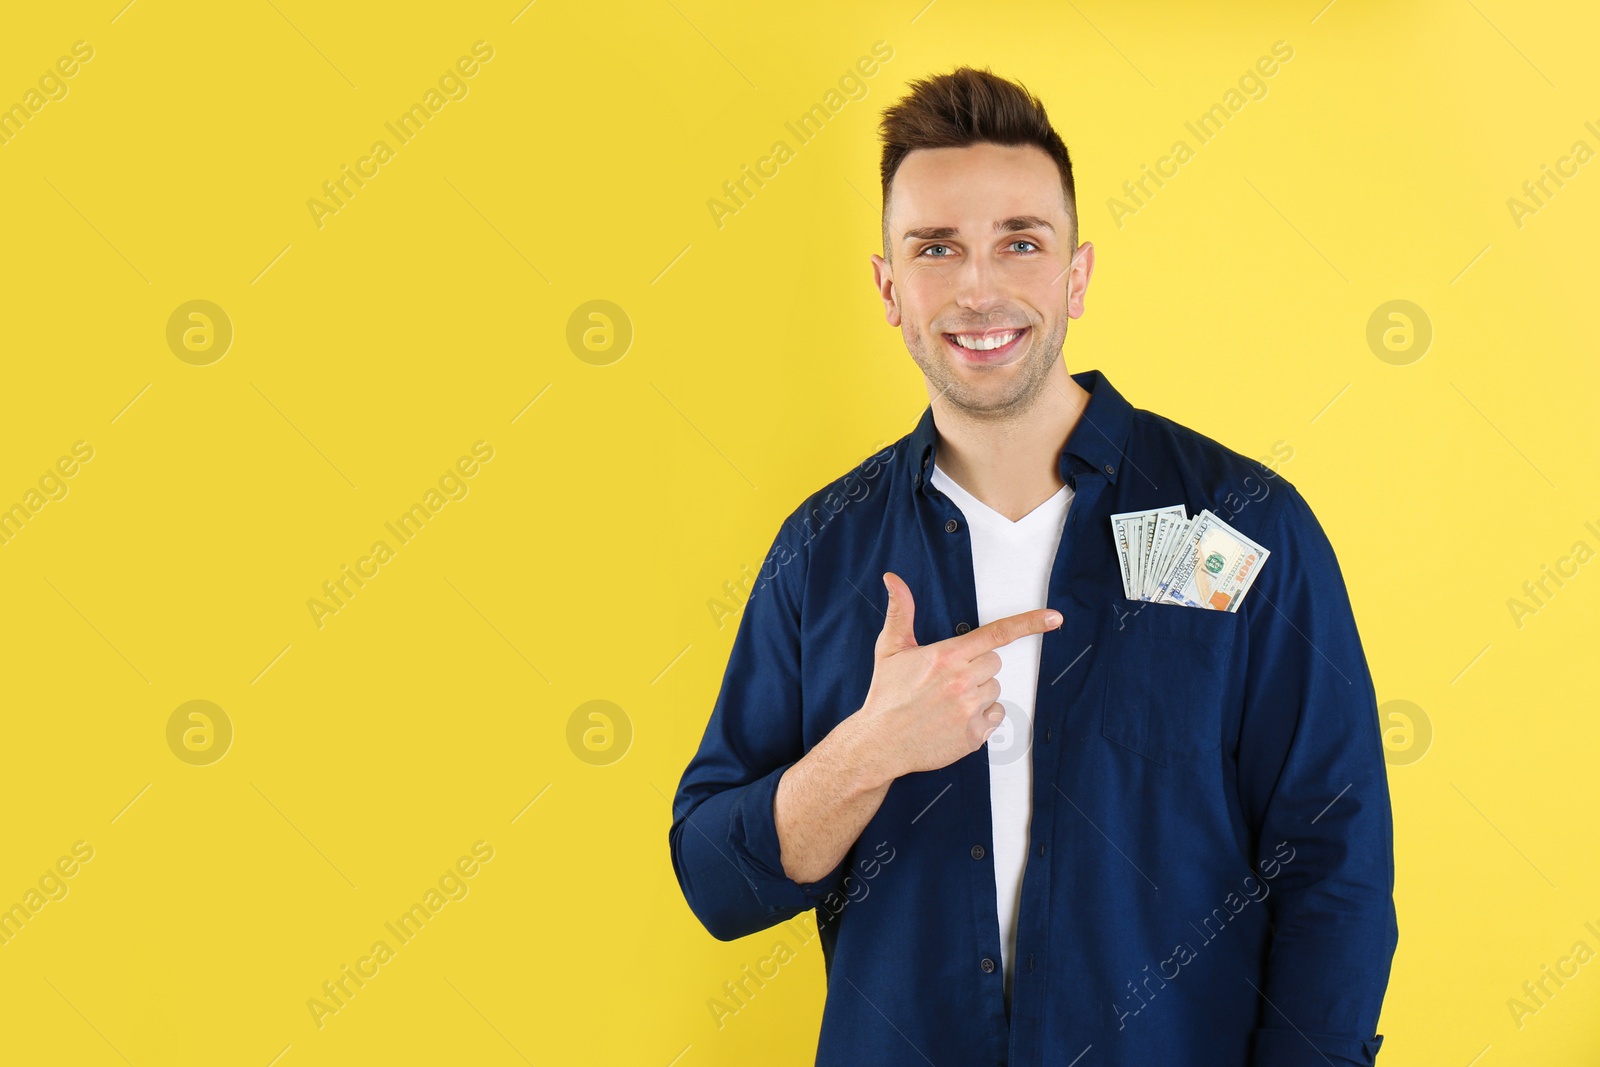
[(1042, 821)]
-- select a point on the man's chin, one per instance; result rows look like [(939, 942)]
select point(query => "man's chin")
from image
[(991, 399)]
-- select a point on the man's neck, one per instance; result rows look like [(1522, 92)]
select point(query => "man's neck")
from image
[(1012, 465)]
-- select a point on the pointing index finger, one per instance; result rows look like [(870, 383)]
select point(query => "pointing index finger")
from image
[(1002, 632)]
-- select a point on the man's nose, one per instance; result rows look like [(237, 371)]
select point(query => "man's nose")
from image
[(977, 284)]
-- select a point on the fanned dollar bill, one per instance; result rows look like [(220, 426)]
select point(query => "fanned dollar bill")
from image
[(1140, 536), (1124, 527), (1214, 568), (1168, 558)]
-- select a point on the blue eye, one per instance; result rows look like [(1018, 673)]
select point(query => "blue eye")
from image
[(1032, 247)]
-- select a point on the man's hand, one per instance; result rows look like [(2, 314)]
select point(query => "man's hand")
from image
[(930, 705)]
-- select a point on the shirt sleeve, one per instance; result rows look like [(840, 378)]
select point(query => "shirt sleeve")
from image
[(1312, 783), (724, 838)]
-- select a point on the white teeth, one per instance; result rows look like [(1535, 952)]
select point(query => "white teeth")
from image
[(985, 344)]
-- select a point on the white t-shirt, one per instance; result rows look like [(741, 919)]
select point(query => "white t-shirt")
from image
[(1011, 564)]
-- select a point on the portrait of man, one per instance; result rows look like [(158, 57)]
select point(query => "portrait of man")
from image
[(1054, 711)]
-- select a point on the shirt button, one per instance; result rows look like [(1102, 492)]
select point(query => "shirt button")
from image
[(977, 852), (962, 627), (1041, 852), (1110, 469), (1049, 731), (951, 526), (987, 965)]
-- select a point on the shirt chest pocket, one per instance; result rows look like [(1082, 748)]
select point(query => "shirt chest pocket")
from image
[(1167, 672)]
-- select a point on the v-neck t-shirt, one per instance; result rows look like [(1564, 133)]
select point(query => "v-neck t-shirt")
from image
[(1011, 564)]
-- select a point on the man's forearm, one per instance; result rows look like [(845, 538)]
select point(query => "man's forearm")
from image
[(826, 799)]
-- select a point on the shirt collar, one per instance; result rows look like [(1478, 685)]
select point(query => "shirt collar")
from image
[(1098, 439)]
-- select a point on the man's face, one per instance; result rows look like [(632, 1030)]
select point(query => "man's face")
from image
[(982, 251)]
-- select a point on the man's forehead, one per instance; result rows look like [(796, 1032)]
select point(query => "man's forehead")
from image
[(976, 188)]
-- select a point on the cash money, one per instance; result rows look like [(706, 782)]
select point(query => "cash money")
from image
[(1141, 537), (1168, 558)]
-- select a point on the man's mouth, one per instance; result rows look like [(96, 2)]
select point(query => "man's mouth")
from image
[(986, 346)]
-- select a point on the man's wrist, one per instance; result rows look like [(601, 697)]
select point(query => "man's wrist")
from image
[(863, 764)]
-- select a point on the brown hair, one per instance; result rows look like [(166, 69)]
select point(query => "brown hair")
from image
[(966, 107)]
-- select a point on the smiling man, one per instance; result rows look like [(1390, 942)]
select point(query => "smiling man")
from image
[(1047, 811)]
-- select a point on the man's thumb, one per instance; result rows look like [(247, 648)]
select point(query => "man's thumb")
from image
[(897, 620)]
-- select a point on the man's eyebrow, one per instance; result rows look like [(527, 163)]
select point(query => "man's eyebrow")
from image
[(1011, 225)]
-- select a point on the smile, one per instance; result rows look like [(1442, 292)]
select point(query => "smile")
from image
[(988, 346)]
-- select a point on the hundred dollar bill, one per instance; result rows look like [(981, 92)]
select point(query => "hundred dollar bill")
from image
[(1213, 568), (1161, 523), (1148, 527), (1136, 533), (1143, 542), (1125, 536), (1175, 539), (1119, 539)]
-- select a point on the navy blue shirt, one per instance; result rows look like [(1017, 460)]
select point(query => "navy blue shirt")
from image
[(1210, 871)]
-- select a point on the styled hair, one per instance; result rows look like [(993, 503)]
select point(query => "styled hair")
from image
[(962, 108)]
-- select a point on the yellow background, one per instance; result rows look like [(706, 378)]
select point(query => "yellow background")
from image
[(432, 711)]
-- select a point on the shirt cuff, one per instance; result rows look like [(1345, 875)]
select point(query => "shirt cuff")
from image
[(1298, 1048), (753, 836)]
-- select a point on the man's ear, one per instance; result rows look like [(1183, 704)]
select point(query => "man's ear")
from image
[(883, 278), (1078, 276)]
